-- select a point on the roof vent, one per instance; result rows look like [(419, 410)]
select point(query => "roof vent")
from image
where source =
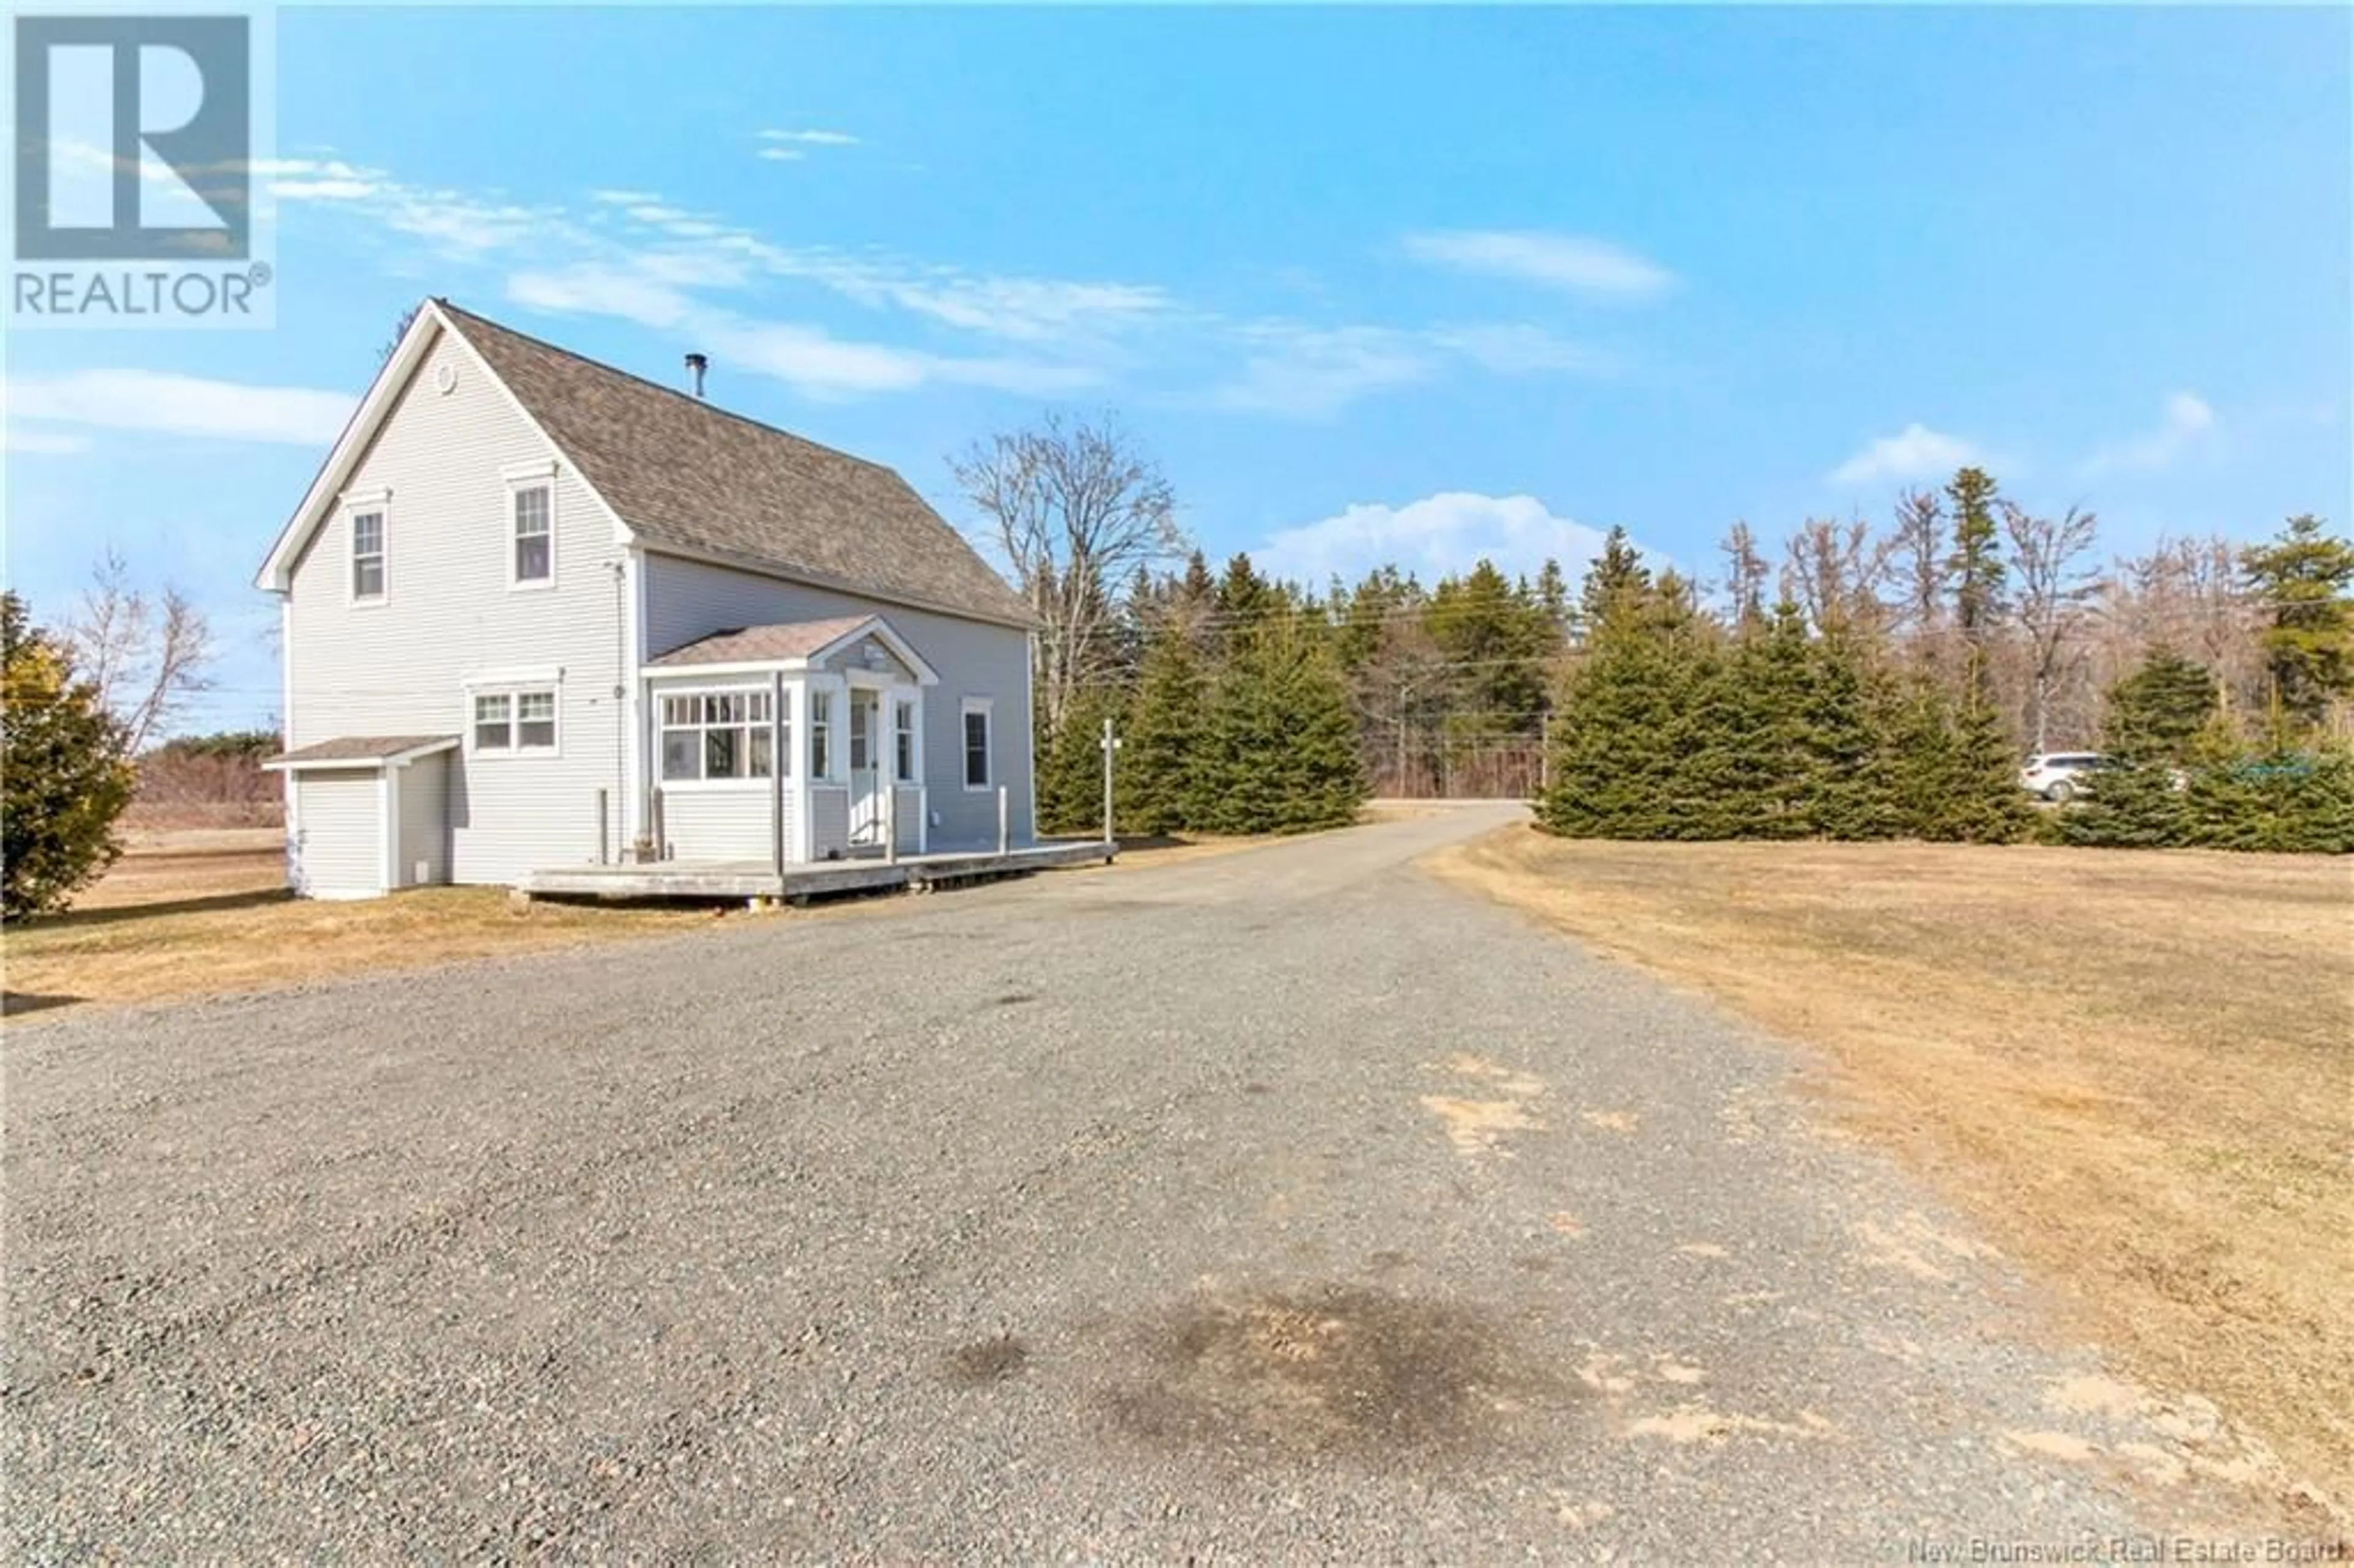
[(696, 365)]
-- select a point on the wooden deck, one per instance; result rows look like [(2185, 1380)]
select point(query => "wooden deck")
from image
[(751, 879)]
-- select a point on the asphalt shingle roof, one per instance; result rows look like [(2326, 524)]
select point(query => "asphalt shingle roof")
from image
[(684, 473), (363, 748), (758, 644)]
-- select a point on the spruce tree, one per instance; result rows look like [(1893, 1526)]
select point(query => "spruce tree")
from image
[(2150, 734), (63, 765), (1155, 779), (1070, 766), (1280, 754), (1624, 732)]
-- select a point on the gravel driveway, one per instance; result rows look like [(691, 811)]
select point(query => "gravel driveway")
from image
[(1278, 1206)]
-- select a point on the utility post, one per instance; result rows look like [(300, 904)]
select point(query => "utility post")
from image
[(1110, 744)]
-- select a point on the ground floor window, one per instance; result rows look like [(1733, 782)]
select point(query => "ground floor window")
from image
[(719, 735), (976, 743), (903, 739), (515, 721)]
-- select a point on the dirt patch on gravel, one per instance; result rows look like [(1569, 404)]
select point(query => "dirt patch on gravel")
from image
[(1343, 1371), (2130, 1066)]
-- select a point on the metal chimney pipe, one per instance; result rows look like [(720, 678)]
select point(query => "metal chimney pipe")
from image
[(696, 365)]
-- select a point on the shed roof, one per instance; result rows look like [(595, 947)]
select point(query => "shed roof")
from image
[(361, 750)]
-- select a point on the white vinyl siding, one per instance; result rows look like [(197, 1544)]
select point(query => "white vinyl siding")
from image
[(422, 788), (401, 667), (338, 834), (687, 599), (723, 824)]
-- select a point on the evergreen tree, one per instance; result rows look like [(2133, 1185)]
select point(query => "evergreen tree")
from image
[(1280, 753), (1155, 779), (1974, 567), (2268, 797), (1070, 764), (64, 767), (2303, 576), (1623, 733), (2150, 733), (1616, 573)]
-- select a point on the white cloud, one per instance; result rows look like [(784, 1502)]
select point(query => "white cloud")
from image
[(49, 443), (1915, 452), (1433, 537), (161, 403), (1310, 373), (601, 292), (783, 154), (1569, 262), (2187, 424), (812, 138), (1520, 350)]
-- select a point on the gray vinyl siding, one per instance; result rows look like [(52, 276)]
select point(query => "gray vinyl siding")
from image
[(687, 599), (338, 834), (423, 790), (723, 824), (401, 667), (829, 820), (907, 825)]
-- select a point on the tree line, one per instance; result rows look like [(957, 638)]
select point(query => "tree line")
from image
[(1861, 681)]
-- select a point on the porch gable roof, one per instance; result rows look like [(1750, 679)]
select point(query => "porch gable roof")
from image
[(792, 644)]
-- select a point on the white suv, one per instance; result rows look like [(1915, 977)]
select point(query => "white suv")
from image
[(2057, 775)]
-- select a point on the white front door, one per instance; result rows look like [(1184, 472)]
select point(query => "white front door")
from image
[(865, 767)]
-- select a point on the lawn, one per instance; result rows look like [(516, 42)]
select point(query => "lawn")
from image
[(195, 912), (2135, 1068), (191, 912)]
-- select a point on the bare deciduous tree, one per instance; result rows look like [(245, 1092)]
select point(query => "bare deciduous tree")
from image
[(2048, 555), (1832, 571), (1076, 508), (1745, 573), (147, 656)]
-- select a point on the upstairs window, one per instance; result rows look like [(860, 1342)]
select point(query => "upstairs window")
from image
[(515, 721), (719, 735), (367, 554), (976, 743), (534, 514)]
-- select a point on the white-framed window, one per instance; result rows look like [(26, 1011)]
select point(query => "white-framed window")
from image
[(367, 553), (721, 735), (515, 723), (531, 542), (903, 741), (973, 732), (820, 734)]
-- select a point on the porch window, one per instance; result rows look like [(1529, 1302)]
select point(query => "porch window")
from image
[(976, 743), (716, 735), (903, 741), (820, 734)]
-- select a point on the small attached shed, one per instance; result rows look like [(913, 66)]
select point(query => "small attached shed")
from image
[(367, 814)]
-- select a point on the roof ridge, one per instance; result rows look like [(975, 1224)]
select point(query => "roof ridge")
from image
[(704, 404)]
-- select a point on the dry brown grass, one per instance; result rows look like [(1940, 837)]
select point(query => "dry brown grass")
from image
[(192, 913), (2136, 1069)]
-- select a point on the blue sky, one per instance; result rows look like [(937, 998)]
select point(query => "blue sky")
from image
[(1412, 285)]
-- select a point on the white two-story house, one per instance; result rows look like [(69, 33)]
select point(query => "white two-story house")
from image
[(539, 613)]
